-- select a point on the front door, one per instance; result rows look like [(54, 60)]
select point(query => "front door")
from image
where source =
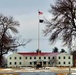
[(40, 64)]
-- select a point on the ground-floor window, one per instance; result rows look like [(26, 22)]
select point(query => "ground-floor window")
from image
[(30, 63), (64, 63), (48, 62), (44, 63), (35, 63), (20, 63), (68, 62), (15, 63), (10, 63), (59, 62)]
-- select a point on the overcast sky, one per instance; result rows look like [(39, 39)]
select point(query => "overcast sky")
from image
[(26, 12)]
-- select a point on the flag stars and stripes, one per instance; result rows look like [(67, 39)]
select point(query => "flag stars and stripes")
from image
[(40, 13), (40, 20)]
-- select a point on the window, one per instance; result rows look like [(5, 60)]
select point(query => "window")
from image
[(39, 57), (68, 62), (59, 62), (30, 63), (53, 58), (30, 57), (35, 63), (48, 57), (10, 58), (15, 58), (34, 57), (44, 57), (69, 57), (59, 57), (10, 63), (19, 57), (25, 57), (44, 62), (15, 63), (64, 57), (20, 63), (48, 62), (63, 62)]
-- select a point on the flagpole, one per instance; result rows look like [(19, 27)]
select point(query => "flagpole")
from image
[(39, 21), (38, 32)]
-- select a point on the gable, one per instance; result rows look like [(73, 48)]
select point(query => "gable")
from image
[(15, 55)]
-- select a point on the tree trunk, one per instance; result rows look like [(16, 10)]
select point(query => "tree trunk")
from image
[(1, 61)]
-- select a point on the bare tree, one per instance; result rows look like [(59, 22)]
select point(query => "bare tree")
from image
[(8, 26), (63, 22), (53, 61)]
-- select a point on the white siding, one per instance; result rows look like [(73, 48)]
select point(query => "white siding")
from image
[(65, 60), (15, 58), (26, 62)]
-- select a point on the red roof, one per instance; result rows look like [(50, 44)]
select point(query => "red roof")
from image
[(36, 54)]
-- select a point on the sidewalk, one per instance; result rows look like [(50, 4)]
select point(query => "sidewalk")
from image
[(58, 70)]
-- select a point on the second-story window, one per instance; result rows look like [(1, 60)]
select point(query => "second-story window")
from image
[(34, 57), (10, 58), (69, 57), (64, 57), (59, 57), (53, 57), (25, 57), (39, 57), (15, 58), (19, 57), (48, 57), (44, 57), (30, 57)]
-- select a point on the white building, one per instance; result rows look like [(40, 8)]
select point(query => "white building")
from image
[(15, 59), (64, 59), (44, 58)]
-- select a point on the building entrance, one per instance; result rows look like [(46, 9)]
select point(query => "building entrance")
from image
[(39, 64)]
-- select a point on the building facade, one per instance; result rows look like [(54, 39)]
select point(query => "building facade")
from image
[(42, 58), (15, 59), (64, 59)]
